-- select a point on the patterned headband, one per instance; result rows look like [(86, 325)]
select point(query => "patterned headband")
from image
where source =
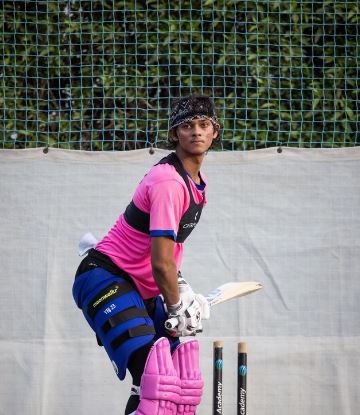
[(187, 108)]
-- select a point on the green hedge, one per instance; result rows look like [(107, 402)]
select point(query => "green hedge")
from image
[(99, 75)]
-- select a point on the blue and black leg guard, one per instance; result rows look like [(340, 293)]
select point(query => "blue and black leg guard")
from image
[(117, 314)]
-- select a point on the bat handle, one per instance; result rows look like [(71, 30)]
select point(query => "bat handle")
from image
[(171, 323)]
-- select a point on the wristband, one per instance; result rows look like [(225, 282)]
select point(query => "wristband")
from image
[(174, 308)]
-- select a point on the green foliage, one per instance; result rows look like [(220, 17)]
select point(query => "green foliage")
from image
[(99, 75)]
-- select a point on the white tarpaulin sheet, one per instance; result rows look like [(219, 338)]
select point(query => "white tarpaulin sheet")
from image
[(290, 220)]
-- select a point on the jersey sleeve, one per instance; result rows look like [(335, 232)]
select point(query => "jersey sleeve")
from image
[(168, 200)]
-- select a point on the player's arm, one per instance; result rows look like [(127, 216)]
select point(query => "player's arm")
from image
[(164, 268)]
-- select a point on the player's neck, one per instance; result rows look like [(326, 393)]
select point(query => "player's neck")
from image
[(191, 163)]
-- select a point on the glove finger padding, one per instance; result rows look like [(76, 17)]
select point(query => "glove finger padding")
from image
[(204, 306), (184, 320), (193, 315)]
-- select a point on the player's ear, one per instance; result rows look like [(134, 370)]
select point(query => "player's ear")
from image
[(173, 138), (216, 131)]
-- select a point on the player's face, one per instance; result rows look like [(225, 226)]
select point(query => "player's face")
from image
[(196, 136)]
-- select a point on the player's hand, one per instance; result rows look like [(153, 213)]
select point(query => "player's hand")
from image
[(204, 306), (184, 320), (187, 296)]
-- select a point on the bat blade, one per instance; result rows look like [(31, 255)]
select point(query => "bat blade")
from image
[(232, 290)]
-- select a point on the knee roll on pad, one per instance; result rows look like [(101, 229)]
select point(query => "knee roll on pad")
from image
[(160, 384), (186, 364)]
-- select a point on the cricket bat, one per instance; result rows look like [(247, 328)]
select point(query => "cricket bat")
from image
[(231, 290), (223, 293)]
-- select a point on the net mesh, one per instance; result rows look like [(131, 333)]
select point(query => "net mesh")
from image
[(100, 75)]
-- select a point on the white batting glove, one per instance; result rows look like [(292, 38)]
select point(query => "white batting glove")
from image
[(186, 292), (204, 306), (184, 320), (187, 296)]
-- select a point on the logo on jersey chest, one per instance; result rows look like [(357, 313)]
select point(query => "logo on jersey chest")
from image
[(191, 224)]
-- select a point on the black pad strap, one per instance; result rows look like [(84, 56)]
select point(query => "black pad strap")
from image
[(140, 220), (131, 333), (109, 293), (125, 315), (136, 218)]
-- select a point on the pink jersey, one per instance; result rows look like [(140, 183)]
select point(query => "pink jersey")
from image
[(163, 194)]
